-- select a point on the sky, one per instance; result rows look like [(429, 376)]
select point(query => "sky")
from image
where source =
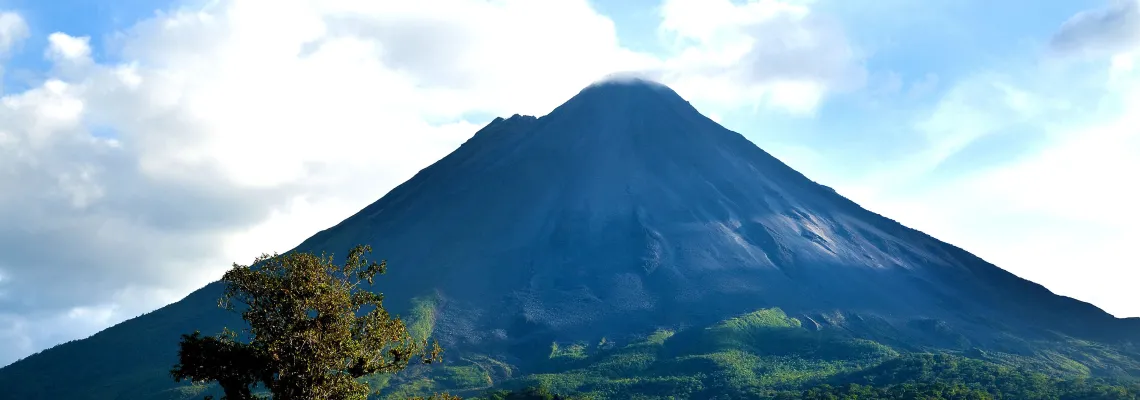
[(147, 145)]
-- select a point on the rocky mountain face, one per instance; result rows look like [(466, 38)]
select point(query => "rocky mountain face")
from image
[(623, 211)]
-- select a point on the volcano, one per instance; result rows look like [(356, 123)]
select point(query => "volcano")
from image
[(622, 212)]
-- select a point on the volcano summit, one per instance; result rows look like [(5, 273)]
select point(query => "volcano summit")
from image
[(622, 212)]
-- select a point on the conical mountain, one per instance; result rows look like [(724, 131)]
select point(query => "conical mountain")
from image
[(622, 211)]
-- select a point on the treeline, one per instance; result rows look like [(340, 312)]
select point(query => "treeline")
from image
[(917, 376), (533, 393), (944, 376), (960, 391)]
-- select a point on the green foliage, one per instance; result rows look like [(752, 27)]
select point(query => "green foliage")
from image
[(771, 332), (766, 355), (530, 393), (422, 318), (914, 376), (437, 396), (659, 337), (313, 332), (412, 389), (463, 377), (573, 351), (765, 318), (943, 376), (724, 361), (234, 365), (376, 382)]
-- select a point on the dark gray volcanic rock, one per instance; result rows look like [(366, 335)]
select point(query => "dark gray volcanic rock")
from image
[(624, 210)]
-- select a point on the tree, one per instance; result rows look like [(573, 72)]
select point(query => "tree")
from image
[(529, 393), (313, 330)]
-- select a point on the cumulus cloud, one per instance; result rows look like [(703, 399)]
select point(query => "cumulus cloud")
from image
[(65, 48), (780, 53), (1108, 30)]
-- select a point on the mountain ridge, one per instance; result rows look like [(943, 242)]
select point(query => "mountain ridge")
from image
[(625, 210), (515, 132)]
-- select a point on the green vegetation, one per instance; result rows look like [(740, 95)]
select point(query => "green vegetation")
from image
[(943, 376), (464, 377), (313, 331), (422, 318), (766, 318), (764, 349), (769, 355), (527, 394), (761, 355), (573, 352)]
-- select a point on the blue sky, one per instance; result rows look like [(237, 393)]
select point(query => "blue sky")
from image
[(97, 19), (152, 128)]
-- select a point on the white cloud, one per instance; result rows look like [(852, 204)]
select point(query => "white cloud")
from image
[(1095, 33), (977, 107), (13, 31), (779, 53), (1065, 217), (63, 48)]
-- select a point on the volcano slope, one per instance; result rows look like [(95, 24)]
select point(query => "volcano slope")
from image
[(625, 214)]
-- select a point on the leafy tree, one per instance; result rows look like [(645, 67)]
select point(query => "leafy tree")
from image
[(313, 330)]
